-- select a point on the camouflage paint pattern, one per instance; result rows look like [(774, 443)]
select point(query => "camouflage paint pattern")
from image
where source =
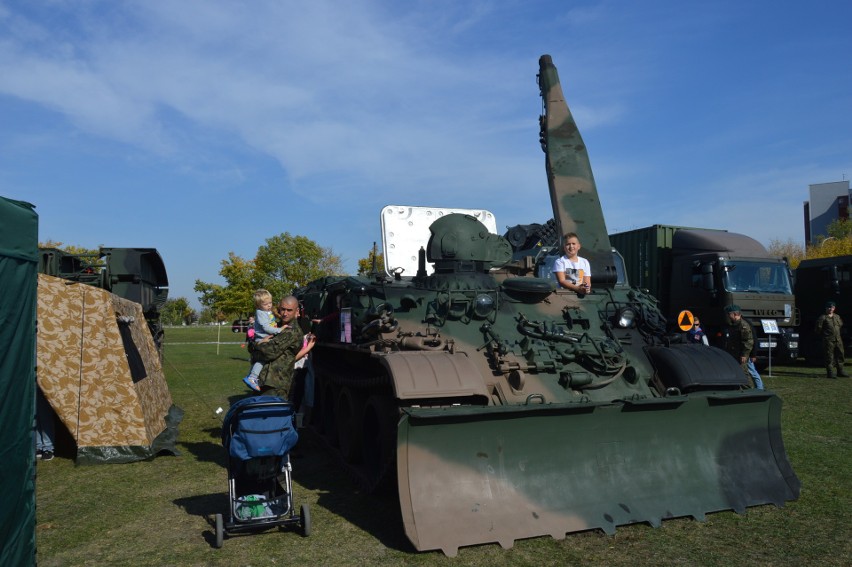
[(511, 409), (83, 370), (573, 192)]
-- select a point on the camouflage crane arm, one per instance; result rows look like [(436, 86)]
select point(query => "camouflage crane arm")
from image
[(573, 193)]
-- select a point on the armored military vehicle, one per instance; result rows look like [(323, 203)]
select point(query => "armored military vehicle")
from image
[(504, 408), (137, 274)]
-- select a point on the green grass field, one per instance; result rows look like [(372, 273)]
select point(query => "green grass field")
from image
[(159, 512)]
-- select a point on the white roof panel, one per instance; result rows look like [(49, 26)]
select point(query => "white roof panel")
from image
[(405, 229)]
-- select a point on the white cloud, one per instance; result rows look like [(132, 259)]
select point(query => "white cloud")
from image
[(348, 106)]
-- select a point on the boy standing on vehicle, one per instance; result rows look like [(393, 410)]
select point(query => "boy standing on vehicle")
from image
[(572, 270)]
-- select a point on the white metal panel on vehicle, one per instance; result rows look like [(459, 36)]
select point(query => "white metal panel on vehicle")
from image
[(405, 229)]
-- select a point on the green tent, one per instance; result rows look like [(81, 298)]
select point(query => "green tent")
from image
[(18, 280)]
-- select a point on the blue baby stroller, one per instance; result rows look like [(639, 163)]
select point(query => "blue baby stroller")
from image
[(258, 433)]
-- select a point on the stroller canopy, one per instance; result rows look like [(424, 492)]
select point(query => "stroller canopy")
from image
[(259, 426)]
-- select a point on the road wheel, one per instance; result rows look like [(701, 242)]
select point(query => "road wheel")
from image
[(350, 411), (379, 437), (328, 413)]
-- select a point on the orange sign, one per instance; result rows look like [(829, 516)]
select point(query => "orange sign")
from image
[(684, 320)]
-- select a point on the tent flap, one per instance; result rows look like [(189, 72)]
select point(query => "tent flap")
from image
[(164, 443)]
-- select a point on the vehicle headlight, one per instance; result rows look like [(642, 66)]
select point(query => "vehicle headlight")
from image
[(626, 318), (483, 305)]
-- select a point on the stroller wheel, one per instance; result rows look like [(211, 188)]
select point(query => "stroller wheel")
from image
[(220, 531), (305, 520)]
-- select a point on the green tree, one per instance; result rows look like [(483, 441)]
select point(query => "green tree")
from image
[(287, 262), (365, 265), (830, 247), (177, 312), (790, 249), (71, 248), (208, 293), (235, 298), (208, 315), (840, 229), (281, 265)]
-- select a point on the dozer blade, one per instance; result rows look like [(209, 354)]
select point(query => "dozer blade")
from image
[(472, 475)]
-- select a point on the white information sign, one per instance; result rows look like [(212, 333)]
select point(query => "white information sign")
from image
[(770, 327)]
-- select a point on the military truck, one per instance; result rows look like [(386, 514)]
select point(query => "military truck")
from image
[(137, 274), (500, 407), (704, 270), (817, 281)]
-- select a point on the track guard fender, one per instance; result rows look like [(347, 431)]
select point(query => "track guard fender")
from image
[(434, 375)]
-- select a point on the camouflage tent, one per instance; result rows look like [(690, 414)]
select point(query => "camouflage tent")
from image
[(100, 371), (18, 270)]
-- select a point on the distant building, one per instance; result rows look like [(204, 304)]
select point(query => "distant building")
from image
[(827, 202)]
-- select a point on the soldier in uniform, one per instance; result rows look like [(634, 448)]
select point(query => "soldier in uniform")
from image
[(282, 351), (740, 342), (828, 328)]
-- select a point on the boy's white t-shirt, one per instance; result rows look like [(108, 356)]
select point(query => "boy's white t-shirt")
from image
[(572, 269)]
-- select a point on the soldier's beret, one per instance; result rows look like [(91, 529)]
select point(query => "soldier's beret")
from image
[(732, 308), (830, 304)]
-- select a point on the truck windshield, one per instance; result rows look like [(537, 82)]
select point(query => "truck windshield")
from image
[(757, 277)]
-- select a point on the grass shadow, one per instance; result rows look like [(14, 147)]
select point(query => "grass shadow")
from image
[(794, 374), (207, 451), (318, 468), (205, 506)]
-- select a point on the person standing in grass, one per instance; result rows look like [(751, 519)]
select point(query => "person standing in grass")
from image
[(44, 427), (828, 329), (250, 330), (740, 343), (281, 351), (302, 390), (264, 327)]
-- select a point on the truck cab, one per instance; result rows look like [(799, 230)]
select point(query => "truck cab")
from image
[(705, 270), (761, 287)]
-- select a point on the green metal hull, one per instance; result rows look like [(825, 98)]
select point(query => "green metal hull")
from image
[(520, 407), (476, 475)]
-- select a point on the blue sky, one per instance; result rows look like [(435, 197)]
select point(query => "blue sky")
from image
[(204, 127)]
